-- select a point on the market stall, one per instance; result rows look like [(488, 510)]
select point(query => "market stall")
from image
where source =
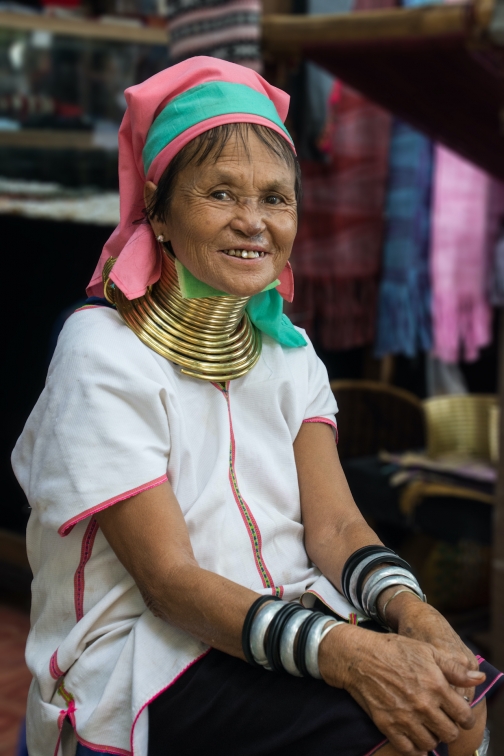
[(440, 69)]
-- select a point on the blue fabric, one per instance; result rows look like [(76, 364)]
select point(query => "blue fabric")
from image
[(404, 307), (85, 751), (404, 304), (21, 749)]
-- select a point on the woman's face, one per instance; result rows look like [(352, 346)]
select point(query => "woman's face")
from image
[(235, 204)]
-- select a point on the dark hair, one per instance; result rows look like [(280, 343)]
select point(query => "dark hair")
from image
[(212, 143)]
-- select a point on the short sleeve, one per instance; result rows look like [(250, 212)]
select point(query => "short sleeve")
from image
[(321, 406), (99, 432)]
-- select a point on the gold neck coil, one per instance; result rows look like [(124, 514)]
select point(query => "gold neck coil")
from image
[(211, 338)]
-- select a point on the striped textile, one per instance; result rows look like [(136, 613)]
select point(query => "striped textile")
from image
[(336, 256), (226, 29)]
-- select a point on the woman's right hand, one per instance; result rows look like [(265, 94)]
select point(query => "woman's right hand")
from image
[(404, 685)]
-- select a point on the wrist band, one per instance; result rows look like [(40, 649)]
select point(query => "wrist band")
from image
[(247, 626), (288, 639), (389, 582), (393, 562), (277, 624), (378, 576), (387, 602), (369, 571), (352, 582), (354, 560), (312, 645), (300, 651), (260, 626)]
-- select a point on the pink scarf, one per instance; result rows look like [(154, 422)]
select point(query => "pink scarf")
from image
[(139, 263), (466, 206)]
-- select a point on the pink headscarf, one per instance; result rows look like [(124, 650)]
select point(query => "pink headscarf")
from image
[(139, 262)]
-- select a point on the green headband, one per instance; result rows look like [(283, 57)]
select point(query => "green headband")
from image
[(201, 103)]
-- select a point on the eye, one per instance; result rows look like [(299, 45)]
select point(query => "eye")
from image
[(221, 195), (273, 199)]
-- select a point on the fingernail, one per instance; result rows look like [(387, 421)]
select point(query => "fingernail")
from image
[(474, 674)]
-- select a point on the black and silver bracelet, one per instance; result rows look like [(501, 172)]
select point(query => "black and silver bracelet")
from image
[(363, 583), (283, 636)]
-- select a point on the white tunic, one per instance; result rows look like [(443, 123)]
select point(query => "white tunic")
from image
[(114, 419)]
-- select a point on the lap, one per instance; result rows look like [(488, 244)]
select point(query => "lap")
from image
[(233, 708), (222, 705)]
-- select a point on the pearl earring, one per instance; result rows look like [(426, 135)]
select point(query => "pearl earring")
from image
[(160, 238)]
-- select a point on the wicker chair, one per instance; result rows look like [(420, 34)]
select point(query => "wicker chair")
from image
[(460, 425), (374, 417)]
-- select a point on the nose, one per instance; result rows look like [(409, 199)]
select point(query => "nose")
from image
[(248, 220)]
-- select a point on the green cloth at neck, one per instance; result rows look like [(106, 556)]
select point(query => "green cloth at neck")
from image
[(265, 309)]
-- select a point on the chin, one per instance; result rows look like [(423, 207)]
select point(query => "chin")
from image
[(243, 291)]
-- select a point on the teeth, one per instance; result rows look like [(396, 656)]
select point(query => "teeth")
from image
[(243, 253)]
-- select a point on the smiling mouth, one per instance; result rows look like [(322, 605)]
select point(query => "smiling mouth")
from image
[(243, 253)]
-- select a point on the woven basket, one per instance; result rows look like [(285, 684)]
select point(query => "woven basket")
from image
[(459, 426)]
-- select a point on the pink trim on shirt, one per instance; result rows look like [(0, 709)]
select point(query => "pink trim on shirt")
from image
[(88, 307), (376, 748), (69, 524), (103, 748), (86, 551), (248, 518), (159, 693), (54, 669), (490, 685), (325, 420)]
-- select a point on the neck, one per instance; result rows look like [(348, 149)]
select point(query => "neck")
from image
[(210, 338)]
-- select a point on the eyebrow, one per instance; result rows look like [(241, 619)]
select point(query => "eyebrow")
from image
[(226, 177)]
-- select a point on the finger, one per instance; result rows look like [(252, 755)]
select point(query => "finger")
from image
[(458, 710), (422, 738), (441, 726), (404, 745), (466, 693), (456, 674)]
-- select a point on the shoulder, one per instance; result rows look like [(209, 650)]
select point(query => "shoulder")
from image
[(97, 338), (293, 359)]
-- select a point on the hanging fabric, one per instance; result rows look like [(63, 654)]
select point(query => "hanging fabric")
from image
[(404, 307), (467, 204), (336, 255), (225, 29)]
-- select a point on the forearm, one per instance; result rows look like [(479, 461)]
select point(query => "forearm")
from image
[(334, 526), (149, 536), (206, 605)]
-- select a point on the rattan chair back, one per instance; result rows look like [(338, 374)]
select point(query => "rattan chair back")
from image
[(375, 417), (459, 425)]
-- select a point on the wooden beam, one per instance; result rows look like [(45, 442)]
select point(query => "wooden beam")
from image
[(55, 139), (84, 28), (294, 33)]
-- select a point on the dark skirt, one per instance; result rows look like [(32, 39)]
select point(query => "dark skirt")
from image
[(221, 706)]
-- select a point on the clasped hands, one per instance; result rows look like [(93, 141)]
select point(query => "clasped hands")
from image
[(412, 682)]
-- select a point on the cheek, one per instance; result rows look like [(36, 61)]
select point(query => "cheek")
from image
[(284, 230)]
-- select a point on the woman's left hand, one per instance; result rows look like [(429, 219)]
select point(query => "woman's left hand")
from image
[(422, 622)]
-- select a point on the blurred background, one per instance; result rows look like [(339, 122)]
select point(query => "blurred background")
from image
[(397, 113)]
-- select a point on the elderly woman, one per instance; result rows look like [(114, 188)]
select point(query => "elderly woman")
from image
[(199, 564)]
